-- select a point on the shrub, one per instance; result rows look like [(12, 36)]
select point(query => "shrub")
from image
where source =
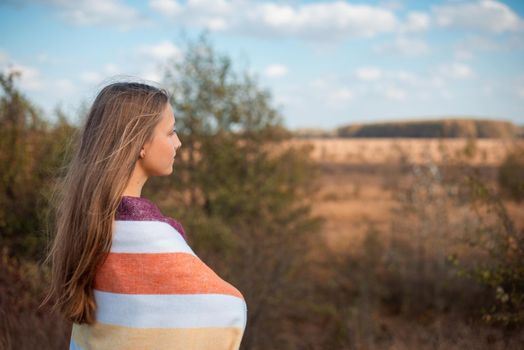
[(511, 175)]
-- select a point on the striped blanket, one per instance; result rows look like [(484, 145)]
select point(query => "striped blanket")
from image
[(153, 292)]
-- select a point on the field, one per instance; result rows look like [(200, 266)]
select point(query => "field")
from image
[(357, 174), (377, 274), (358, 192), (391, 150)]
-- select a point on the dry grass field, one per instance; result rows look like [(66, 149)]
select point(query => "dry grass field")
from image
[(391, 150), (358, 187), (357, 175)]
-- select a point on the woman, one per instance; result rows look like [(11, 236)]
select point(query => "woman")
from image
[(122, 272)]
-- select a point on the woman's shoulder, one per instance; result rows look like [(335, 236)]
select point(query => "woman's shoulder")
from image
[(142, 209)]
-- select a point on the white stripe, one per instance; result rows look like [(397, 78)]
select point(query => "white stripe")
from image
[(170, 310), (147, 237)]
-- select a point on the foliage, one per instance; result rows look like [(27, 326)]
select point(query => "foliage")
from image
[(22, 324), (502, 271), (511, 175), (30, 153)]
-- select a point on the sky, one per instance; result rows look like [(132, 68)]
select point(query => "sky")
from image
[(326, 63)]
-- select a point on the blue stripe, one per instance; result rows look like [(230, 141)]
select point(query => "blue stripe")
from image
[(147, 237)]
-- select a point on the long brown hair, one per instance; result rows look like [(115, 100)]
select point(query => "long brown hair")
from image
[(122, 118)]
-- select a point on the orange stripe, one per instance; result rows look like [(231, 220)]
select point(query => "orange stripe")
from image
[(159, 273)]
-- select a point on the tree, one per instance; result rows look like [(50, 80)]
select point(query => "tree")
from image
[(241, 191), (30, 152)]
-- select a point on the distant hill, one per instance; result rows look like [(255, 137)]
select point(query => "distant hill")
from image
[(480, 128), (314, 133)]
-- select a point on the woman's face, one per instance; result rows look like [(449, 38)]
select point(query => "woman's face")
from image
[(160, 152)]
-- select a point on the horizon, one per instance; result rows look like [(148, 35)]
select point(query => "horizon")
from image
[(414, 120)]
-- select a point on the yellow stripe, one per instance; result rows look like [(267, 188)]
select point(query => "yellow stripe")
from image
[(103, 336)]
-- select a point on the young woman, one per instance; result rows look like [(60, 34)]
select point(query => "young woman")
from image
[(123, 272)]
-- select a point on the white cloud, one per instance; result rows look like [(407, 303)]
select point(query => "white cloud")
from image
[(416, 83), (368, 73), (153, 60), (217, 24), (44, 58), (29, 77), (514, 42), (437, 81), (92, 77), (334, 20), (402, 85), (343, 94), (166, 7), (94, 12), (148, 62), (474, 43), (404, 77), (405, 85), (462, 54), (214, 15), (326, 91), (318, 83), (404, 46), (323, 20), (111, 69), (41, 88), (3, 58), (478, 42), (520, 91), (487, 89), (161, 51), (64, 86), (50, 60), (276, 71), (423, 95), (337, 98), (448, 95), (394, 93), (487, 15), (456, 70), (152, 73), (416, 22), (517, 86), (392, 4)]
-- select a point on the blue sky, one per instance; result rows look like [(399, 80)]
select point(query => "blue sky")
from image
[(326, 63)]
